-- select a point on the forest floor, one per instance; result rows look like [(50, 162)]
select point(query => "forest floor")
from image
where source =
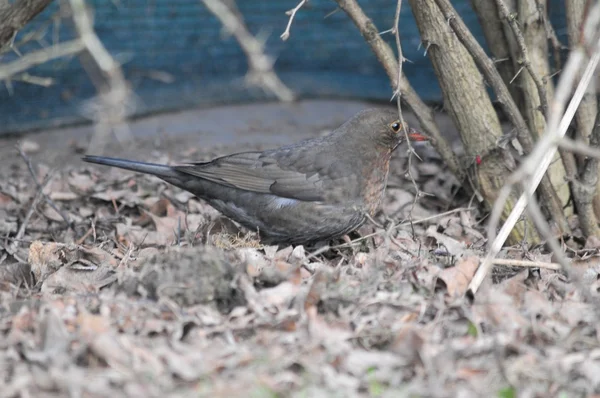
[(118, 284)]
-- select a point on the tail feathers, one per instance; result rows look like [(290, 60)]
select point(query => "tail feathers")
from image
[(159, 170)]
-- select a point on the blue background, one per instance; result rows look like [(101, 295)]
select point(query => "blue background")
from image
[(324, 57)]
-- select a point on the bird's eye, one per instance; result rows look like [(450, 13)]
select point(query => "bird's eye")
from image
[(396, 127)]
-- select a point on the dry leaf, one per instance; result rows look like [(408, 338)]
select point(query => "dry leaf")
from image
[(47, 258), (408, 344), (69, 280), (456, 279)]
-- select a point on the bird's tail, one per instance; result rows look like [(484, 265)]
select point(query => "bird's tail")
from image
[(159, 170)]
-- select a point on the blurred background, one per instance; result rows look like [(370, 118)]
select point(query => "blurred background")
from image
[(176, 55)]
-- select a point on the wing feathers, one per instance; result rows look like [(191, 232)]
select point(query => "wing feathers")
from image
[(258, 172)]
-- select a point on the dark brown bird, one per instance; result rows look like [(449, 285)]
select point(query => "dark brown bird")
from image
[(315, 190)]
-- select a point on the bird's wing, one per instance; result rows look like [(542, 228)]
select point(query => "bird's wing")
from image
[(263, 172)]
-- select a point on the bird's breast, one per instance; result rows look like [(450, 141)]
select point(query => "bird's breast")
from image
[(375, 179)]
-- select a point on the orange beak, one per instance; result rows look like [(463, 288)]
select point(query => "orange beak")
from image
[(414, 135)]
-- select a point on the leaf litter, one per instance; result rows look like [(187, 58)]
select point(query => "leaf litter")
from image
[(113, 283)]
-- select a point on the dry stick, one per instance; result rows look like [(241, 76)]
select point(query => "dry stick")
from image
[(40, 56), (528, 264), (260, 65), (35, 179), (386, 57), (292, 13), (487, 67), (539, 160), (512, 21)]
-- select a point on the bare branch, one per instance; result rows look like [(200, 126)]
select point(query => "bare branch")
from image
[(113, 105), (260, 65), (39, 57), (83, 23), (292, 13)]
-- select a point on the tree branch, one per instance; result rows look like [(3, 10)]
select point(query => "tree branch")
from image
[(17, 15), (260, 65)]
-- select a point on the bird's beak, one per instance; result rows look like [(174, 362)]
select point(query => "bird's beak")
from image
[(414, 135)]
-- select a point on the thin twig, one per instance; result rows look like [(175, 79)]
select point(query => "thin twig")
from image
[(39, 57), (402, 224), (325, 248), (292, 13), (529, 264), (398, 94)]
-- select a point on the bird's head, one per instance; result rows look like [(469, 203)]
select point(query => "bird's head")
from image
[(380, 128)]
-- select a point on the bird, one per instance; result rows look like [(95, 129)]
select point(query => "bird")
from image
[(312, 191)]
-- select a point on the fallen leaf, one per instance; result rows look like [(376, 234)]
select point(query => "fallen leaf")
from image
[(47, 258), (453, 247), (408, 344), (456, 279), (81, 183)]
